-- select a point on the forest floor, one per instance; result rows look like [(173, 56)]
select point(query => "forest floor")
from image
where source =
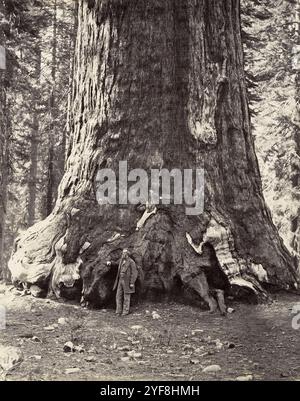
[(256, 340)]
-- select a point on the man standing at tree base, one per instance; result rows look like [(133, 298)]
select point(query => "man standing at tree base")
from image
[(125, 283)]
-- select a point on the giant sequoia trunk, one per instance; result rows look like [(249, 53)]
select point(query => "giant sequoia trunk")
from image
[(158, 83), (3, 169), (295, 173), (3, 150)]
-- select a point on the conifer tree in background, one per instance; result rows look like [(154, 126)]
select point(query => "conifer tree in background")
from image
[(271, 40), (31, 120)]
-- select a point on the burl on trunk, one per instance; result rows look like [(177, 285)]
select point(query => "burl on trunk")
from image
[(159, 84)]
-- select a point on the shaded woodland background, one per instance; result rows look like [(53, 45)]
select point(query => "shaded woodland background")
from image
[(39, 37)]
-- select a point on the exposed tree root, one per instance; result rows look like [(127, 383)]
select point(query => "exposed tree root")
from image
[(76, 257)]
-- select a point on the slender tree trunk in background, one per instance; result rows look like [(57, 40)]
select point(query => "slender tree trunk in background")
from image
[(33, 170), (53, 134), (159, 84), (35, 137), (50, 177)]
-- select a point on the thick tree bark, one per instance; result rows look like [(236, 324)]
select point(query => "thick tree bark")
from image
[(3, 169), (70, 94), (160, 84), (2, 178), (4, 142), (295, 174)]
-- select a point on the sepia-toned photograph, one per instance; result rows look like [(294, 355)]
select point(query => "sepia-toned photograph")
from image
[(149, 193)]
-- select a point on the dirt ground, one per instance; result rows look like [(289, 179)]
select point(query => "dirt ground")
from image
[(256, 340)]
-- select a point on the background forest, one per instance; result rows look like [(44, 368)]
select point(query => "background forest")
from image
[(39, 38)]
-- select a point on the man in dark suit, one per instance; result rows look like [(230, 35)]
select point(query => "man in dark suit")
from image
[(125, 283)]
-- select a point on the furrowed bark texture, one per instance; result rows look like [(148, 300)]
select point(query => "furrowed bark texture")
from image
[(4, 142), (160, 84), (3, 169), (295, 173)]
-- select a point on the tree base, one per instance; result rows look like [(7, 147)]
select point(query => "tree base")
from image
[(67, 255)]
